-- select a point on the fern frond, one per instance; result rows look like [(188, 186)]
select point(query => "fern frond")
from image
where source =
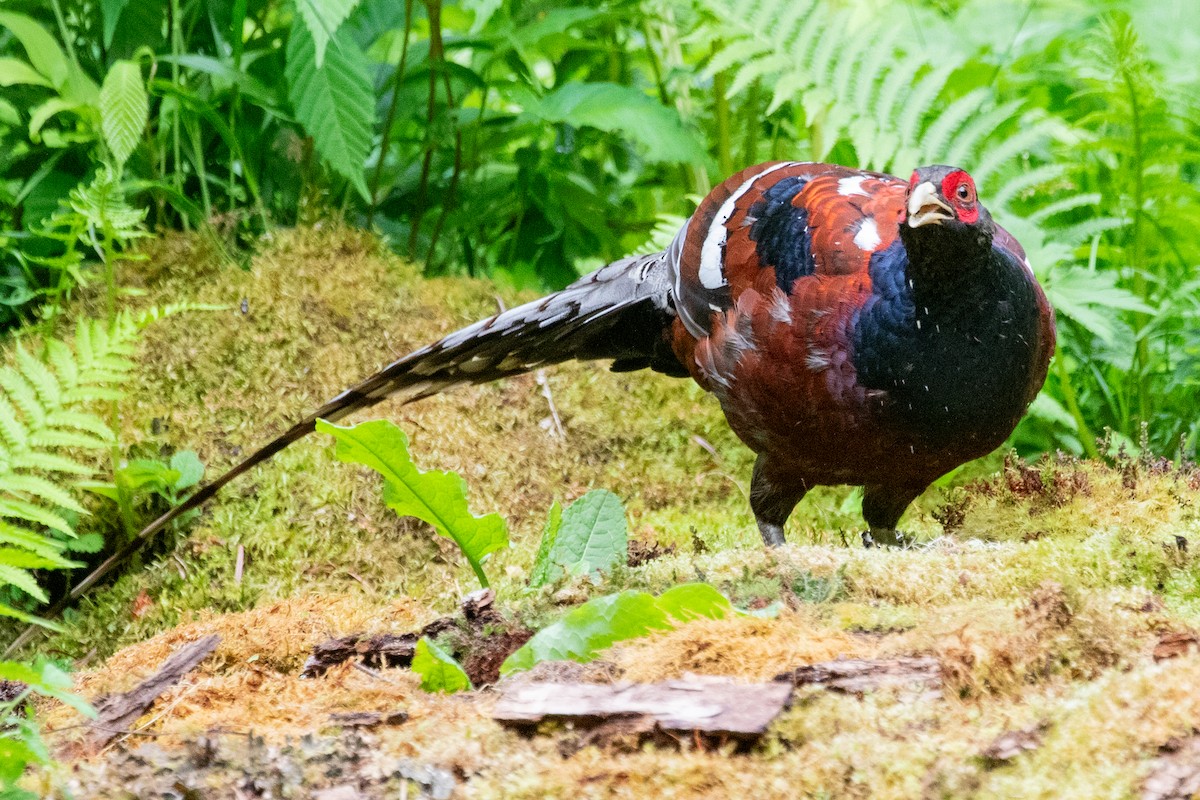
[(46, 423), (23, 580)]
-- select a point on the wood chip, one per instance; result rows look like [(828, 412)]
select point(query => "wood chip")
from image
[(861, 675), (1011, 744), (1176, 644), (1175, 775), (368, 719), (115, 713), (738, 710)]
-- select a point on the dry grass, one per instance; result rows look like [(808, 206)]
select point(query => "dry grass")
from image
[(1042, 598)]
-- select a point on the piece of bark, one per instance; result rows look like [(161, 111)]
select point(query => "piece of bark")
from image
[(391, 650), (1175, 775), (115, 713), (861, 675), (1010, 744), (1175, 644), (382, 650), (367, 719), (737, 710)]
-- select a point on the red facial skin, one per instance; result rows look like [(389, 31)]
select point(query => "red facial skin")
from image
[(959, 190)]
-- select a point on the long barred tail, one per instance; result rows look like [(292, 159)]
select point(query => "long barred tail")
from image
[(621, 312)]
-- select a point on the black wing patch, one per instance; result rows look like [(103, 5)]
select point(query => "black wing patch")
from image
[(780, 233)]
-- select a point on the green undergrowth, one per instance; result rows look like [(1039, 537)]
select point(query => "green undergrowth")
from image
[(1039, 587)]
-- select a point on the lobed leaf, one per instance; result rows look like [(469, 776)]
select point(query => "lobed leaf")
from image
[(439, 498)]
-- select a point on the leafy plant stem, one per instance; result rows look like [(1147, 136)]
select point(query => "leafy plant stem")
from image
[(1140, 284), (433, 8), (385, 139), (176, 50), (1086, 437), (64, 32), (720, 89)]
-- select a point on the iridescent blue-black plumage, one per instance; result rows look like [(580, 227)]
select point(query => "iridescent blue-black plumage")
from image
[(874, 332)]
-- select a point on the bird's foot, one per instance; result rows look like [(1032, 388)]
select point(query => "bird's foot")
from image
[(772, 534), (885, 537)]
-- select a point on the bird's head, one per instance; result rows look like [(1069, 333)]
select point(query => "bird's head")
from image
[(942, 210)]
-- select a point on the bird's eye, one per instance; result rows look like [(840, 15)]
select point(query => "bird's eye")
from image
[(963, 192)]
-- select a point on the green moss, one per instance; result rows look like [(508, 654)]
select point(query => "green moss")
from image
[(1040, 588)]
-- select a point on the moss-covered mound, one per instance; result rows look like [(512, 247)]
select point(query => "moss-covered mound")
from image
[(1043, 591)]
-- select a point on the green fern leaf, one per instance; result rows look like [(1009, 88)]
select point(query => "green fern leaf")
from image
[(124, 109), (49, 462), (30, 540), (322, 19), (23, 580), (39, 376), (21, 393), (13, 508), (23, 559), (334, 101), (32, 486)]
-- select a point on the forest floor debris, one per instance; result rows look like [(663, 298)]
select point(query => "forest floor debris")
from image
[(1053, 596)]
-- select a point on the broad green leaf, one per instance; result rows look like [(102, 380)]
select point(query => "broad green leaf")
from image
[(439, 498), (624, 110), (693, 601), (39, 116), (594, 626), (601, 622), (544, 570), (590, 537), (438, 670), (44, 53), (335, 102), (189, 467), (322, 18), (247, 84), (124, 109), (9, 114), (14, 72)]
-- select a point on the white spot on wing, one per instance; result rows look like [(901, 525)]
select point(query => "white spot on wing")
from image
[(852, 186), (712, 274), (867, 237)]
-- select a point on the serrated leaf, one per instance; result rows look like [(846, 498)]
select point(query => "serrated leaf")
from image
[(439, 498), (544, 570), (601, 622), (322, 18), (438, 670), (22, 580), (591, 537), (124, 109), (51, 462), (37, 487), (24, 559), (334, 102), (590, 628), (12, 508), (624, 110)]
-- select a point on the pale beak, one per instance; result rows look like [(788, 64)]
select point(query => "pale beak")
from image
[(924, 207)]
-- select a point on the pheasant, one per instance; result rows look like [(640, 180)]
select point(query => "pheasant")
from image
[(855, 328)]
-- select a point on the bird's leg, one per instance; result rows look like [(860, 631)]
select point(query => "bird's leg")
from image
[(882, 508), (772, 503)]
